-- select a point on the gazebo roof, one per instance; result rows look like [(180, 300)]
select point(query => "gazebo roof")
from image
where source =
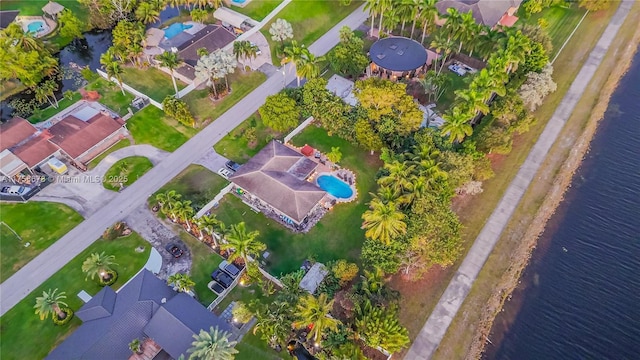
[(154, 36), (52, 8), (398, 54)]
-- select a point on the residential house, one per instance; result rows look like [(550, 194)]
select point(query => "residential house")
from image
[(145, 308), (486, 12)]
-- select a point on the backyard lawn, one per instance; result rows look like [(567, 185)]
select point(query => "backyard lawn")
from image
[(205, 261), (562, 20), (195, 183), (111, 96), (150, 126), (117, 146), (308, 28), (51, 223), (257, 10), (152, 82), (235, 145), (126, 171), (34, 7), (454, 83), (336, 236), (44, 114), (25, 336), (242, 83)]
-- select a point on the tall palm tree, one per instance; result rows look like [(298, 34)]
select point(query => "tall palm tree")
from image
[(181, 282), (98, 265), (114, 70), (171, 61), (186, 213), (383, 222), (21, 39), (383, 6), (209, 67), (309, 66), (200, 3), (316, 312), (212, 345), (167, 200), (207, 224), (46, 91), (453, 24), (491, 41), (175, 3), (274, 322), (427, 14), (456, 124), (391, 20), (518, 47), (443, 48), (244, 244), (468, 30), (399, 173), (487, 84), (135, 53), (214, 3), (406, 10), (147, 13), (295, 54), (472, 100), (50, 303)]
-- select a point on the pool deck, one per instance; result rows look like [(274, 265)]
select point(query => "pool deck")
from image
[(24, 22)]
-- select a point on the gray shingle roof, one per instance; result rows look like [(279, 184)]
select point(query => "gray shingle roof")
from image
[(398, 54), (272, 174), (137, 307)]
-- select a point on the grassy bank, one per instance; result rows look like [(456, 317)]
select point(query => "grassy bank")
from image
[(236, 146), (44, 114), (195, 183), (464, 329), (126, 171), (25, 336), (257, 10), (51, 223), (151, 126), (111, 95), (152, 82)]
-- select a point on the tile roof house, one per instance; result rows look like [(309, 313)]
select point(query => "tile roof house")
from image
[(145, 307), (486, 12), (29, 144), (277, 176)]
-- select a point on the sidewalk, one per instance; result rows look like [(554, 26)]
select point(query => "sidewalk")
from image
[(66, 248), (428, 340)]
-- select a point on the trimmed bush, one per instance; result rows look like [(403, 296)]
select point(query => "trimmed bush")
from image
[(61, 322), (111, 280)]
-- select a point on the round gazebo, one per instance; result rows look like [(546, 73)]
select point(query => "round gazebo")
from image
[(397, 56)]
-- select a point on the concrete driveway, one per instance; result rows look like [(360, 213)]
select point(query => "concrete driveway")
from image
[(265, 55)]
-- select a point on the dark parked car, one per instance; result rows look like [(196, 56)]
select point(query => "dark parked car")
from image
[(222, 277), (233, 165), (229, 268), (216, 287), (174, 250)]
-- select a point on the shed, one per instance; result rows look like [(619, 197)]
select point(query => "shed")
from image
[(10, 165), (230, 17), (153, 37), (52, 8), (307, 150), (313, 278)]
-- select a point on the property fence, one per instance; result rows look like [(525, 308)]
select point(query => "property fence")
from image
[(297, 130), (130, 89)]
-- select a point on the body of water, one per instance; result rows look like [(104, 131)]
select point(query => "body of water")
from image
[(580, 296)]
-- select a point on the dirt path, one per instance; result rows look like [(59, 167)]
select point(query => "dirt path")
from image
[(562, 182)]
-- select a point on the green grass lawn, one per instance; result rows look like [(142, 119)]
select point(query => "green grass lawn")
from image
[(454, 83), (111, 96), (205, 261), (336, 236), (235, 145), (150, 126), (253, 347), (562, 21), (309, 20), (25, 336), (126, 171), (152, 82), (257, 10), (117, 146), (50, 111), (242, 83), (39, 223), (195, 183)]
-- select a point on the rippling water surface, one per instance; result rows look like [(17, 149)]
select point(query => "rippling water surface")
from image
[(580, 296)]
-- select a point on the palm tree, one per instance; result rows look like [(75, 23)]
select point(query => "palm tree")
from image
[(383, 5), (21, 39), (309, 66), (181, 282), (456, 124), (373, 282), (373, 7), (171, 61), (473, 100), (202, 52), (212, 345), (147, 13), (468, 29), (186, 214), (518, 46), (135, 53), (487, 84), (176, 3), (167, 200), (46, 92), (316, 312), (399, 173), (453, 24), (98, 265), (383, 222), (114, 70), (295, 54), (491, 41), (214, 3), (391, 20), (442, 45), (207, 224), (50, 303), (406, 10), (200, 3), (274, 322), (244, 244), (178, 208)]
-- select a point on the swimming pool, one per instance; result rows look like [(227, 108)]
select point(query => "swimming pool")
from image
[(35, 27), (175, 29), (335, 186)]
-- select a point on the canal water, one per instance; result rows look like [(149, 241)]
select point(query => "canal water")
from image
[(580, 296)]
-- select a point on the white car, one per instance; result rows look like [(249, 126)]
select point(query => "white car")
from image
[(225, 173)]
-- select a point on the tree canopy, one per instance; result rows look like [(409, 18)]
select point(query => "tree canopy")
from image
[(280, 112)]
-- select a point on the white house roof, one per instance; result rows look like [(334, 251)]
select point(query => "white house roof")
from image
[(10, 165), (313, 278), (343, 88), (52, 8), (230, 17)]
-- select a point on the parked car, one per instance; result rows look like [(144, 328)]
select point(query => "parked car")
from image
[(222, 277), (233, 165), (225, 173), (229, 269), (215, 287), (15, 190), (259, 52), (174, 250)]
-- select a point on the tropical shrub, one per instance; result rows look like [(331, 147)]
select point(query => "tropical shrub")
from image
[(69, 315), (178, 110)]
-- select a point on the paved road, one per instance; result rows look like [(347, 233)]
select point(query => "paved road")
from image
[(436, 326), (62, 251)]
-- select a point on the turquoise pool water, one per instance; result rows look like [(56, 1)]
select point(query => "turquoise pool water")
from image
[(35, 26), (238, 1), (175, 29), (335, 186)]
